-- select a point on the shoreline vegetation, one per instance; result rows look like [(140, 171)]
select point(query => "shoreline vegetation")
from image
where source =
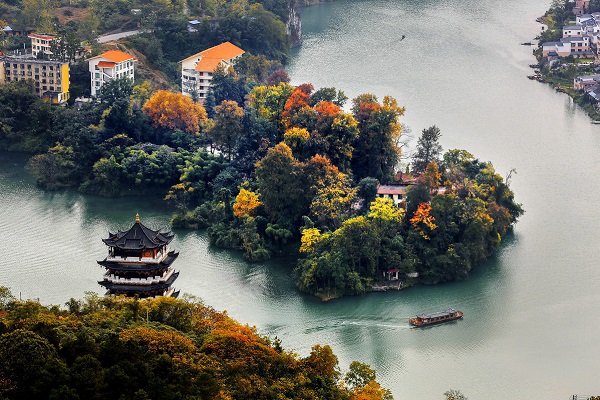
[(561, 71), (268, 168), (159, 348)]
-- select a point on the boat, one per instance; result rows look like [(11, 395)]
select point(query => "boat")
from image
[(436, 318)]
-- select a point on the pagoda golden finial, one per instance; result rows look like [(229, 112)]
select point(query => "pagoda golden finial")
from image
[(137, 218)]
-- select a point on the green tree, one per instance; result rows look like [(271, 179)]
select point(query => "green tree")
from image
[(116, 89), (54, 169), (228, 127), (428, 149)]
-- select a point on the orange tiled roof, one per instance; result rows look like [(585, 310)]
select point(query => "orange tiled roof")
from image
[(208, 64), (116, 56), (106, 64), (224, 51)]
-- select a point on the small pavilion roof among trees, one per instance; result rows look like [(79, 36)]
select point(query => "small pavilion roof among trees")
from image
[(139, 262)]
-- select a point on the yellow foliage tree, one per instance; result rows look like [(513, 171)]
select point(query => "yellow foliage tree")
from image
[(246, 203), (310, 238), (174, 111), (384, 209)]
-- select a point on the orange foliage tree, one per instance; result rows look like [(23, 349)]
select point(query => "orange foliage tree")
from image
[(423, 217), (174, 111), (246, 203)]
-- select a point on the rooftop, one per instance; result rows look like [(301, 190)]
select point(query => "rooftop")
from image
[(138, 237), (208, 64), (223, 51), (116, 56)]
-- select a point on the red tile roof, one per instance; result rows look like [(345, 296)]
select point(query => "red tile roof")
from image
[(115, 56), (106, 64), (224, 51), (208, 64)]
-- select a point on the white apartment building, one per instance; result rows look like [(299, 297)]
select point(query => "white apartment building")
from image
[(108, 66), (40, 43), (197, 70)]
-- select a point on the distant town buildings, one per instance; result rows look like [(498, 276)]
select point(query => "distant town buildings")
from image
[(108, 66), (50, 78), (197, 70)]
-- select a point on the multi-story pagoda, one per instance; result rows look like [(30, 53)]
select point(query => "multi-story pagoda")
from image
[(139, 262)]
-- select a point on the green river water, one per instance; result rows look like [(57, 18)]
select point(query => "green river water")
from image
[(532, 313)]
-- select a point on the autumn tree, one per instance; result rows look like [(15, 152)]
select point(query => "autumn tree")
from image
[(296, 102), (428, 149), (171, 110), (246, 203), (228, 126), (276, 77), (376, 149)]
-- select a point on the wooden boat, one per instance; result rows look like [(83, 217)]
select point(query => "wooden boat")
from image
[(436, 318)]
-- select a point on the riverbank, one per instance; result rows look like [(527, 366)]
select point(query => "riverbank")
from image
[(567, 54)]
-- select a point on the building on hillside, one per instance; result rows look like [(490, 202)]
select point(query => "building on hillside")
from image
[(108, 66), (197, 70), (581, 6), (41, 43), (395, 192), (139, 263), (50, 78)]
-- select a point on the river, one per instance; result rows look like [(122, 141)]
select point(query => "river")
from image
[(532, 313)]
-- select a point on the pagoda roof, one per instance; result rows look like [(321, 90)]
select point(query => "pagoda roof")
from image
[(140, 267), (138, 237), (140, 288)]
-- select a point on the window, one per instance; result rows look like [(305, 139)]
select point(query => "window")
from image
[(97, 74)]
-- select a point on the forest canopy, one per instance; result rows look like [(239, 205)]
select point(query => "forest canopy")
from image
[(159, 348)]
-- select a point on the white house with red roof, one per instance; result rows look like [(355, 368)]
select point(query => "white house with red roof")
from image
[(197, 70), (108, 66)]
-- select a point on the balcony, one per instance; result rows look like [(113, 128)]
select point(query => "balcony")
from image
[(140, 260), (153, 280)]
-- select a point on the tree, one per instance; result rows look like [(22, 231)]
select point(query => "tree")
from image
[(174, 111), (367, 190), (454, 395), (278, 179), (428, 149), (276, 77), (225, 85), (246, 203), (228, 126), (376, 149), (116, 89), (54, 169), (330, 94)]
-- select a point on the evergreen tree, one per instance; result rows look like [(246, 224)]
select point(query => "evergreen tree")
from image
[(428, 149)]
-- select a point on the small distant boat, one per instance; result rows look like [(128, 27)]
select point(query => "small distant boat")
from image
[(596, 122), (527, 44), (436, 318)]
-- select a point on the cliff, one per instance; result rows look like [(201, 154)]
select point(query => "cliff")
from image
[(294, 23)]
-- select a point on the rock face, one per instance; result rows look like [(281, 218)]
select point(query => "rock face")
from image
[(294, 23)]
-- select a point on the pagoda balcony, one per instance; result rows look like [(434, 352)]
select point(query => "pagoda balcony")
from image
[(152, 280), (141, 260)]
